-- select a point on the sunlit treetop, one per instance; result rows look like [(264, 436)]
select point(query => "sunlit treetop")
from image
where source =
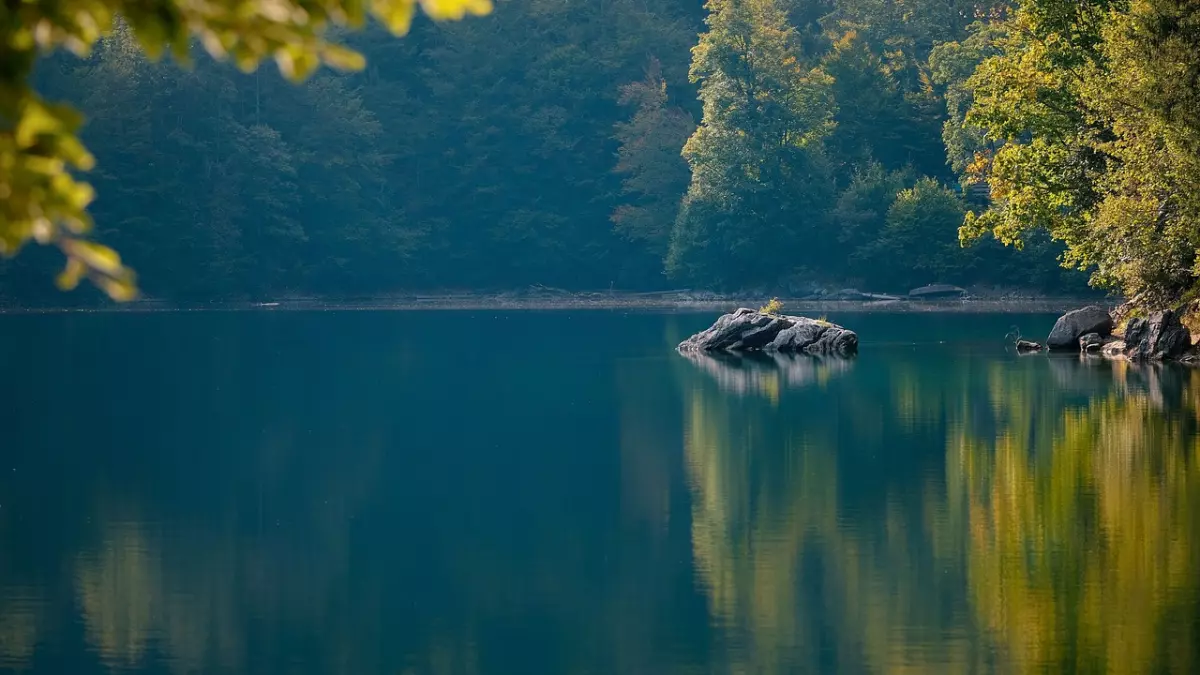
[(40, 199)]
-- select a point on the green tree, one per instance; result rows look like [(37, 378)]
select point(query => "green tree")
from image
[(759, 174), (39, 197), (870, 107), (918, 240), (1093, 108), (651, 161), (860, 214), (951, 65)]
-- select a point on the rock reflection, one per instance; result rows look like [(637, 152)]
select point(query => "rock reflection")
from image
[(765, 374)]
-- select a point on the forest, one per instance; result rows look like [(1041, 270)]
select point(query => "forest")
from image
[(765, 145)]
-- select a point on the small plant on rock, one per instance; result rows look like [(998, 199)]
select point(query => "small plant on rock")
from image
[(772, 307)]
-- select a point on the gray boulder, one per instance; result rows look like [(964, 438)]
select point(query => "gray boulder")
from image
[(749, 330), (1162, 336), (847, 294), (937, 292), (1025, 346), (1074, 325), (1092, 342)]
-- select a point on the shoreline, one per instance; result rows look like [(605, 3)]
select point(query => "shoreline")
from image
[(680, 303)]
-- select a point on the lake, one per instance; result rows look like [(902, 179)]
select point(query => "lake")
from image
[(552, 492)]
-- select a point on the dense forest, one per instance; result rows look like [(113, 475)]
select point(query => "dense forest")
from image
[(767, 145)]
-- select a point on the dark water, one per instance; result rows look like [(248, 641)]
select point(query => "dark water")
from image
[(558, 493)]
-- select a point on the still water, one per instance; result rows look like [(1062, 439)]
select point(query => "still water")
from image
[(562, 493)]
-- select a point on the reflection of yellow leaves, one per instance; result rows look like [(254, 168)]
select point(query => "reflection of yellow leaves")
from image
[(18, 626), (769, 387), (760, 511), (1068, 531), (1094, 540), (120, 592)]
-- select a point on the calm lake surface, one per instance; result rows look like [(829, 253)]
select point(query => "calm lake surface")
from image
[(562, 493)]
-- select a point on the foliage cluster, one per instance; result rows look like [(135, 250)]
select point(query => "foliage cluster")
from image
[(40, 197), (823, 148), (773, 306), (558, 144), (1090, 120)]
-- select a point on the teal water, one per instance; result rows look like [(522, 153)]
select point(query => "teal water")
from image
[(527, 493)]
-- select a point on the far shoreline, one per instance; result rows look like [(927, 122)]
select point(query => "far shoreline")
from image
[(649, 302)]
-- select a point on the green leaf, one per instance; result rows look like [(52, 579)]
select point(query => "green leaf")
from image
[(343, 59), (95, 256), (69, 278)]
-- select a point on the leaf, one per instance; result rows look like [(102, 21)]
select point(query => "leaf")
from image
[(35, 121), (397, 15), (442, 10), (342, 58), (121, 290), (69, 278), (96, 256)]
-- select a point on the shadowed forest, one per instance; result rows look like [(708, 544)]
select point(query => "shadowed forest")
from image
[(545, 144), (764, 145)]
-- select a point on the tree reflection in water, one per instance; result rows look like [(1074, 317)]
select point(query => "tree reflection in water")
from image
[(928, 513), (1060, 534)]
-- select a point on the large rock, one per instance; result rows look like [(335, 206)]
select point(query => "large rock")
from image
[(847, 294), (1074, 325), (748, 330), (1162, 336), (1027, 346), (937, 292)]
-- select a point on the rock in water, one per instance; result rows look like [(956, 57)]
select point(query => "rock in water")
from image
[(1162, 336), (1092, 342), (1074, 325), (1024, 346), (748, 330), (851, 294), (937, 292)]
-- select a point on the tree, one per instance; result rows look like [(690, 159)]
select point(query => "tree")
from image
[(759, 174), (39, 197), (951, 65), (860, 215), (651, 161), (1093, 107), (918, 237), (874, 122)]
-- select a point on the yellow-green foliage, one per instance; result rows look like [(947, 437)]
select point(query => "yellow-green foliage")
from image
[(40, 199), (1092, 115), (772, 307)]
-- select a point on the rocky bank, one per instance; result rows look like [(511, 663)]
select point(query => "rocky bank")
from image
[(1159, 337)]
